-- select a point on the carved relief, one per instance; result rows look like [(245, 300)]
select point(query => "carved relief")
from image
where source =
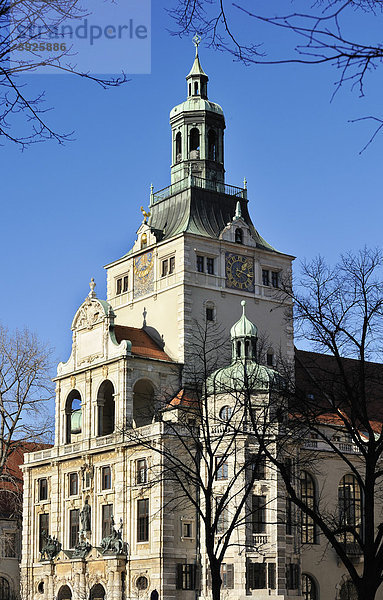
[(90, 314)]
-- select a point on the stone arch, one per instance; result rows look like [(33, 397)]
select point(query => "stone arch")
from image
[(5, 588), (212, 145), (105, 408), (97, 592), (310, 588), (194, 140), (178, 146), (73, 415), (64, 593), (143, 403)]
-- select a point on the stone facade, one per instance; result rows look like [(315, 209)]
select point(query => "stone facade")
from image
[(95, 522)]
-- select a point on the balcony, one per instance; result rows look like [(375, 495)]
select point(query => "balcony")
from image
[(198, 182)]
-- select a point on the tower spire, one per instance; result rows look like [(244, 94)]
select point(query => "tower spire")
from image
[(197, 78)]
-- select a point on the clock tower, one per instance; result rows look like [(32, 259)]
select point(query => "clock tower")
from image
[(197, 253)]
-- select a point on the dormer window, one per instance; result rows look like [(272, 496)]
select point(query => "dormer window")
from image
[(238, 236)]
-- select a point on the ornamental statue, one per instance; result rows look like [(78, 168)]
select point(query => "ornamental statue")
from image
[(51, 548), (85, 517), (113, 544)]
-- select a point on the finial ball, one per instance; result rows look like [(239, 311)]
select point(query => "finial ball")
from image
[(243, 303)]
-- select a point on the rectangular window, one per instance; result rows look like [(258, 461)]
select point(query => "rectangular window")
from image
[(106, 525), (164, 267), (258, 515), (125, 286), (289, 517), (256, 576), (9, 545), (186, 577), (74, 527), (73, 484), (187, 529), (142, 520), (119, 286), (43, 530), (275, 279), (272, 577), (223, 516), (141, 471), (227, 576), (106, 478), (292, 576), (221, 469), (43, 489), (172, 264), (200, 264), (259, 466), (265, 277), (210, 265)]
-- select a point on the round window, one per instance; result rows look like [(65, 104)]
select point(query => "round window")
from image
[(225, 413), (142, 583)]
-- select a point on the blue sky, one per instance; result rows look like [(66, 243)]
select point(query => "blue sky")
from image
[(69, 210)]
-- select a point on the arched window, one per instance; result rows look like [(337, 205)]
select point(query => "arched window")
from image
[(309, 588), (190, 89), (238, 349), (196, 88), (97, 592), (350, 508), (238, 236), (212, 144), (247, 348), (65, 593), (194, 139), (308, 497), (143, 403), (178, 147), (106, 408), (5, 592), (73, 415), (348, 591)]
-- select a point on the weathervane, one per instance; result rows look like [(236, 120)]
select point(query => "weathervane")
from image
[(146, 215)]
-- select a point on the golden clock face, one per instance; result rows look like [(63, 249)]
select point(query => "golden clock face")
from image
[(143, 274), (239, 272)]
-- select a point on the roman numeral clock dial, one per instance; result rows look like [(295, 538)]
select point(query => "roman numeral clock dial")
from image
[(239, 272)]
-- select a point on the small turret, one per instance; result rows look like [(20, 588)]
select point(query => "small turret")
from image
[(197, 78), (244, 337)]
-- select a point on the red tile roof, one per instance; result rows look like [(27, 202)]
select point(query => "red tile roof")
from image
[(142, 344)]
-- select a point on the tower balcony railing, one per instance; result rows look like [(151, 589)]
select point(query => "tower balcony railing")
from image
[(198, 182)]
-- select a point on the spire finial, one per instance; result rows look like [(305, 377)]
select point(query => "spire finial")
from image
[(245, 184), (238, 211), (92, 285), (243, 304), (196, 41)]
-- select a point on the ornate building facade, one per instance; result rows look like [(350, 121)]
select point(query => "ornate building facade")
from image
[(94, 524)]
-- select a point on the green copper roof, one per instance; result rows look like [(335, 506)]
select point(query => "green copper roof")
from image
[(242, 375), (196, 103), (243, 327), (199, 211), (196, 68)]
